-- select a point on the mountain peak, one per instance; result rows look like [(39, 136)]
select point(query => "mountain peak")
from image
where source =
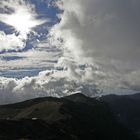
[(77, 97)]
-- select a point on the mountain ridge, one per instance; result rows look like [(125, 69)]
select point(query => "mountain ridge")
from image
[(75, 117)]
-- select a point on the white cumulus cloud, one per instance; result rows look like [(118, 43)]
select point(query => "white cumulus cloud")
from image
[(11, 42)]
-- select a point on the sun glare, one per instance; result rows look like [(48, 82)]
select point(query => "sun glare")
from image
[(23, 22)]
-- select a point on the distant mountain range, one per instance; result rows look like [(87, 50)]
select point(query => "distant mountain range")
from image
[(126, 109), (74, 117)]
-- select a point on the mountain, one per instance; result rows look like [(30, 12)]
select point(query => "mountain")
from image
[(74, 117), (126, 108)]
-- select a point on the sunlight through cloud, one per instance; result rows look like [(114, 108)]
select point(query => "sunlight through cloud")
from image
[(23, 18)]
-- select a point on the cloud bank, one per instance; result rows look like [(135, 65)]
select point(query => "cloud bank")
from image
[(47, 83)]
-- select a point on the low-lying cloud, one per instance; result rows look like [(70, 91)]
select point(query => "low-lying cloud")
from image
[(47, 83)]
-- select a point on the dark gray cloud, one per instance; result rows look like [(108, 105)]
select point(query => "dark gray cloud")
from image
[(109, 28)]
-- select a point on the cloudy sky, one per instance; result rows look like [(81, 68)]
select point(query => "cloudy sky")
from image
[(58, 47)]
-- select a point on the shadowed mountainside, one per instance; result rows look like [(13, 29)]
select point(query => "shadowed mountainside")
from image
[(126, 108), (74, 117)]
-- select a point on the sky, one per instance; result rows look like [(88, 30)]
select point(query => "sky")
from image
[(59, 47)]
